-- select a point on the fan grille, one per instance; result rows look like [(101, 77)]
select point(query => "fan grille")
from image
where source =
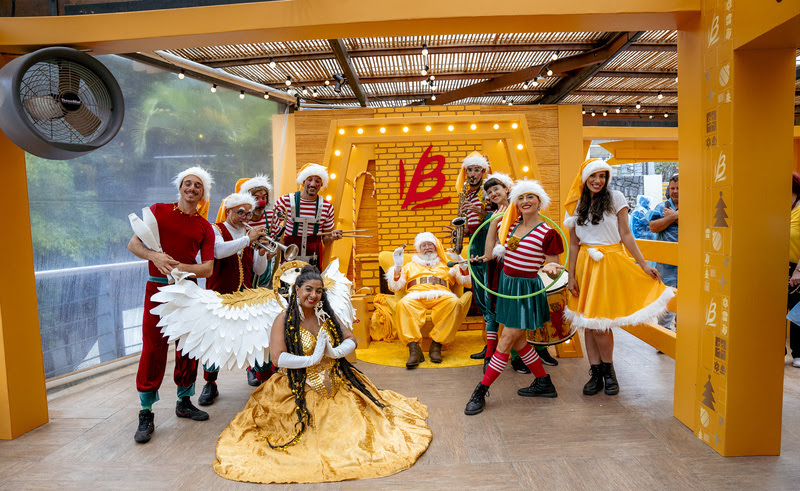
[(65, 101)]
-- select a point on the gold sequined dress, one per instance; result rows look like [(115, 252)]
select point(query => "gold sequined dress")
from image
[(349, 437)]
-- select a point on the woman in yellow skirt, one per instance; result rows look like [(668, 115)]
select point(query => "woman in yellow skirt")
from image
[(318, 419), (608, 288)]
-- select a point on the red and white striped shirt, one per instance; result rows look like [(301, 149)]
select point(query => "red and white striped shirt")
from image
[(307, 209), (473, 220), (528, 257), (266, 218)]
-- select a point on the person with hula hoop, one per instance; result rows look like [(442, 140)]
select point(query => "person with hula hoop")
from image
[(525, 242), (608, 289)]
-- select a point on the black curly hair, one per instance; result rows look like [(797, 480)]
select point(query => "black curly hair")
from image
[(294, 345), (591, 208)]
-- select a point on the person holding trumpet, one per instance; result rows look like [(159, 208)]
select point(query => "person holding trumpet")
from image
[(236, 263)]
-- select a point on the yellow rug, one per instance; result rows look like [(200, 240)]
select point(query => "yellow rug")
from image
[(394, 354)]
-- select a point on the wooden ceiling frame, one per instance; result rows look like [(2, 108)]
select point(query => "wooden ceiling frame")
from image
[(340, 51)]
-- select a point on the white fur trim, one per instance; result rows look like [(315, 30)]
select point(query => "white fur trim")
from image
[(569, 220), (395, 285), (428, 294), (424, 262), (472, 159), (502, 177), (239, 199), (260, 181), (649, 313), (499, 251), (462, 279), (313, 170), (524, 186), (204, 176), (424, 237), (594, 254), (593, 167)]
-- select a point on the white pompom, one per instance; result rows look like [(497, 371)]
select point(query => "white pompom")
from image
[(594, 253)]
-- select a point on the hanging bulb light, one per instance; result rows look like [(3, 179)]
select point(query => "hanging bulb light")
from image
[(288, 80), (660, 95), (304, 89), (424, 70), (605, 113), (583, 111), (619, 109), (181, 74), (535, 82), (213, 87), (511, 102), (433, 97), (666, 115), (327, 82), (525, 85), (549, 72), (424, 49), (241, 94), (272, 63), (314, 92), (638, 105), (554, 56), (432, 77), (266, 95), (651, 116), (593, 114), (503, 100)]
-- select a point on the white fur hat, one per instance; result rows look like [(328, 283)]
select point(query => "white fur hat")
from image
[(309, 170), (592, 167), (502, 177), (475, 158), (204, 176), (424, 237), (524, 186), (239, 199), (260, 181)]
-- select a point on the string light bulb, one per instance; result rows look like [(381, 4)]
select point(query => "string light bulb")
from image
[(666, 115), (337, 152), (181, 74), (327, 82), (328, 197), (525, 85), (473, 127), (272, 63), (333, 176), (535, 82), (305, 90), (554, 56), (583, 111), (511, 102), (341, 131), (503, 100), (605, 113), (428, 128), (496, 126), (213, 87), (525, 168), (549, 72), (383, 130), (660, 95), (433, 97), (266, 95), (514, 126), (424, 49), (433, 77), (519, 146), (241, 94), (618, 110), (288, 80), (360, 131), (424, 70), (638, 105), (451, 128), (405, 129), (593, 114)]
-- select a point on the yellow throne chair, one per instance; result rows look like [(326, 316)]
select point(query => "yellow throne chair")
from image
[(462, 308)]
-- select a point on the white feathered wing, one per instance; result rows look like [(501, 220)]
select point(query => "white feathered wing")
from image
[(338, 290)]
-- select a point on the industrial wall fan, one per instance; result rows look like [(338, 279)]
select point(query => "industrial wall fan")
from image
[(59, 103)]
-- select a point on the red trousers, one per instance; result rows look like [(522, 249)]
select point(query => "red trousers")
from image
[(153, 361)]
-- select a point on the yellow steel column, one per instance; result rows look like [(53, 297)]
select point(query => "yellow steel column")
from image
[(23, 400), (729, 374)]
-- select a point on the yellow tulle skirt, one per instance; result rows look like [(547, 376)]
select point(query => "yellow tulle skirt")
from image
[(614, 291), (349, 436)]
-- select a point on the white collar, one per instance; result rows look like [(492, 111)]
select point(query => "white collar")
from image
[(424, 262)]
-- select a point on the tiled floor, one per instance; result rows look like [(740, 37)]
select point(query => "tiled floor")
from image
[(630, 441)]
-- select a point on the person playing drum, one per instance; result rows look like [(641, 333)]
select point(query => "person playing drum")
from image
[(525, 242), (608, 289)]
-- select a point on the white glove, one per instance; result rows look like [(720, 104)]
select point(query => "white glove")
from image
[(455, 257), (397, 255), (288, 360), (345, 348)]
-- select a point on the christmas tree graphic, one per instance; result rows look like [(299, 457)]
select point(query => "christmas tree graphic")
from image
[(720, 215), (708, 395)]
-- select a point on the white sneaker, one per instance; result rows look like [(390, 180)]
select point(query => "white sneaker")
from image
[(796, 363)]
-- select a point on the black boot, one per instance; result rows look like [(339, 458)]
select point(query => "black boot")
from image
[(541, 387), (185, 409), (478, 400), (478, 356), (252, 380), (595, 384), (208, 394), (546, 357), (146, 426), (610, 379), (519, 366)]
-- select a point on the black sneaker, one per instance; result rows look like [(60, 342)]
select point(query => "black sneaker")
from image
[(546, 357), (146, 426), (252, 380), (185, 409), (541, 387), (519, 366), (208, 394)]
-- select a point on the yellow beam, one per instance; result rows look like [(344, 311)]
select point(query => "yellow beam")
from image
[(628, 133), (630, 151), (310, 19), (759, 25), (659, 251)]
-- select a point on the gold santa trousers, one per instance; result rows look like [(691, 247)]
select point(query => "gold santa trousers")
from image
[(614, 290), (411, 315)]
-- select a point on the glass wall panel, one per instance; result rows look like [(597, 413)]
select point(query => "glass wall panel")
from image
[(90, 287)]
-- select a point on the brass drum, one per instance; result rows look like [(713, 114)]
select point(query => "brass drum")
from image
[(558, 329)]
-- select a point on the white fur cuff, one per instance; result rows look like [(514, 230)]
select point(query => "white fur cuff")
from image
[(594, 254), (462, 279), (569, 221), (428, 295), (398, 285), (499, 251)]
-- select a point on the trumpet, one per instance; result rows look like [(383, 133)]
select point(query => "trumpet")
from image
[(289, 252)]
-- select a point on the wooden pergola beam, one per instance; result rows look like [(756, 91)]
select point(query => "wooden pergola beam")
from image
[(339, 50), (616, 44), (411, 51)]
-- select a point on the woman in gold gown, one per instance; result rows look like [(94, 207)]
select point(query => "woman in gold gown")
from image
[(318, 419)]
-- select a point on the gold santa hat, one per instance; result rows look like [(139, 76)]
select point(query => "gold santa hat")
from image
[(475, 158), (589, 167), (205, 178), (309, 170), (423, 237)]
